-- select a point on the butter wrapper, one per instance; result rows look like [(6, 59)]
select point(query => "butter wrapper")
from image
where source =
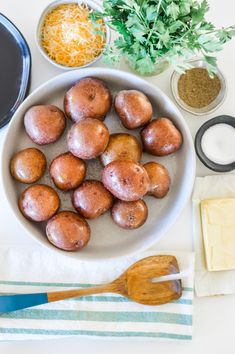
[(209, 283)]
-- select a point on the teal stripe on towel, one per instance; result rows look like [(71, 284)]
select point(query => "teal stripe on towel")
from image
[(94, 333), (74, 315), (62, 285), (35, 283), (121, 299)]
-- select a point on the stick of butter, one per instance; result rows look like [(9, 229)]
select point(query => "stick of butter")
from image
[(218, 227)]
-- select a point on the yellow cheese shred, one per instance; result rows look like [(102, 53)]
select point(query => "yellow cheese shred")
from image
[(68, 36)]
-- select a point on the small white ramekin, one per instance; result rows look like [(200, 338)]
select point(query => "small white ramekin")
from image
[(94, 6)]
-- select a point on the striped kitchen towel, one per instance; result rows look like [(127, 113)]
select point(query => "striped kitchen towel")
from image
[(27, 269)]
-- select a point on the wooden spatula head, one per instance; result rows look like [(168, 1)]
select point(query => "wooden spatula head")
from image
[(136, 283)]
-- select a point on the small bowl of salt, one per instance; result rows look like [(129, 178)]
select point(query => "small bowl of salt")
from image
[(215, 143)]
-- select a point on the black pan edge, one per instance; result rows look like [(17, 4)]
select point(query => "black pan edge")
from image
[(26, 57)]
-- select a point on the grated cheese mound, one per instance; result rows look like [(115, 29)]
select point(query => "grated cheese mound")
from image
[(68, 36)]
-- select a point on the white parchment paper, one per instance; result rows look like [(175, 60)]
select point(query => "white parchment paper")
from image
[(219, 282)]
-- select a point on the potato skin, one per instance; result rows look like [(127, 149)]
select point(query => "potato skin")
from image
[(44, 124), (161, 137), (39, 202), (121, 146), (88, 98), (92, 199), (159, 179), (68, 231), (28, 165), (88, 139), (133, 108), (130, 215), (126, 180), (67, 171)]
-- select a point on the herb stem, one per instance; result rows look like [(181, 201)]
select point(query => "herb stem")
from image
[(138, 14), (154, 23)]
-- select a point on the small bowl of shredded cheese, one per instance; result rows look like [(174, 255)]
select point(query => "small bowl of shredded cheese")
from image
[(66, 36)]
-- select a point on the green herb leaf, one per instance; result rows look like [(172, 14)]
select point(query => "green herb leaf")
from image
[(210, 60), (211, 65), (225, 34), (121, 28), (151, 13), (185, 7), (159, 27), (138, 33), (175, 26), (165, 38), (209, 43), (198, 13), (207, 26), (110, 57), (132, 20), (144, 66), (173, 10)]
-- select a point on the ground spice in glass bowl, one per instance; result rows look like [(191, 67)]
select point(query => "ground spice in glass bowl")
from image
[(196, 91)]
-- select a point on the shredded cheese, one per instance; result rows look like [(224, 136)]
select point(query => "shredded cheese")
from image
[(68, 36)]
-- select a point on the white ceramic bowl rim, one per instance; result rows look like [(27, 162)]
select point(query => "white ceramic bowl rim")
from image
[(93, 5), (175, 208)]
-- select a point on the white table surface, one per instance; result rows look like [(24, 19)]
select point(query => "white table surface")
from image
[(213, 317)]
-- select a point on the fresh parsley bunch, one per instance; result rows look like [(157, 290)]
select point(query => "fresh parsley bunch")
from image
[(149, 30)]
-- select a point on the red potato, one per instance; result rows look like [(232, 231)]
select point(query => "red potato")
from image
[(92, 199), (130, 215), (159, 179), (133, 108), (121, 146), (28, 165), (161, 137), (67, 171), (126, 180), (88, 98), (39, 202), (88, 138), (44, 124), (68, 231)]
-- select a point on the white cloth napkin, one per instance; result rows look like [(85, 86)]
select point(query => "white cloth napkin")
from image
[(32, 269), (210, 283)]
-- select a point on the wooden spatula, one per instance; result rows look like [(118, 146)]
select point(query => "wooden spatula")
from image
[(135, 283)]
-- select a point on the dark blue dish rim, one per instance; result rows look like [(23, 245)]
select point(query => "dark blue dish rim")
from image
[(198, 147), (26, 59)]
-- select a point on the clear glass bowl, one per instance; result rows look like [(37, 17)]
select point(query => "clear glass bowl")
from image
[(199, 63), (159, 67)]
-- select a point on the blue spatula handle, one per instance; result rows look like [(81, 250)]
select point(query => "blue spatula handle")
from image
[(9, 303)]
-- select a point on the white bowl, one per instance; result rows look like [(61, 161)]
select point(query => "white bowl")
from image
[(108, 241), (93, 5)]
